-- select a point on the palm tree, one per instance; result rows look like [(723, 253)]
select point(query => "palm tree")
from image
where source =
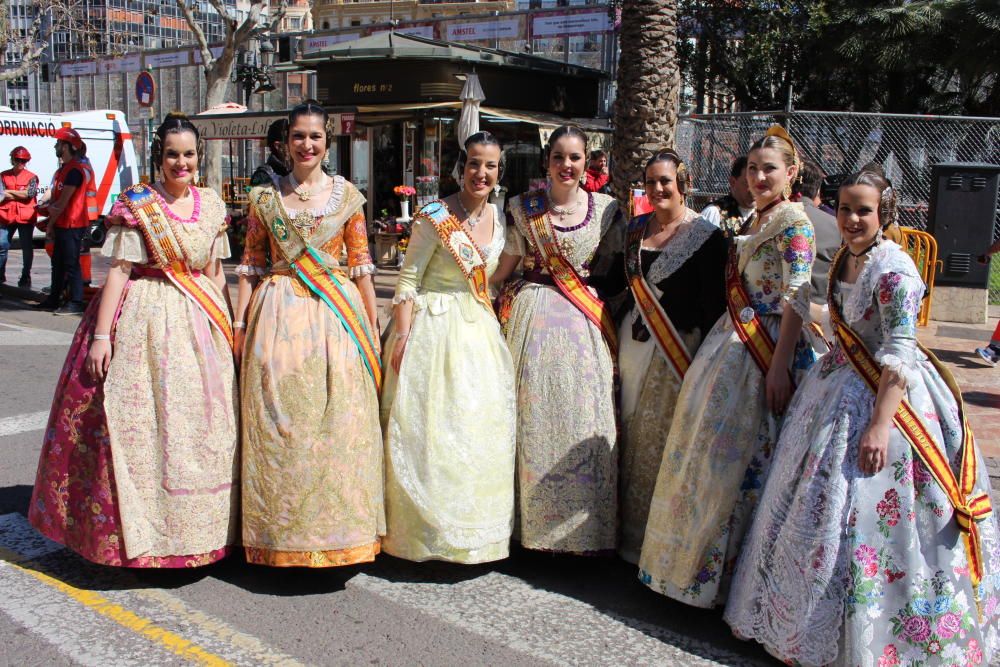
[(645, 108)]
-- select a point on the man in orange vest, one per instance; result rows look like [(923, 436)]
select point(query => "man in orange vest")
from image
[(71, 209), (17, 212)]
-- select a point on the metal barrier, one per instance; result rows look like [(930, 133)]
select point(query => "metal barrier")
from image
[(906, 146)]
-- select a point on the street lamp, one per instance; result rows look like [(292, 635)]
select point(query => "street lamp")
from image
[(254, 66)]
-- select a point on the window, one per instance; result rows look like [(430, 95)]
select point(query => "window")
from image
[(355, 22), (295, 23)]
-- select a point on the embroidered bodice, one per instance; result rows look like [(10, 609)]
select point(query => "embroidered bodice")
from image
[(430, 267), (202, 236), (340, 223), (579, 243), (686, 275), (776, 262), (882, 308)]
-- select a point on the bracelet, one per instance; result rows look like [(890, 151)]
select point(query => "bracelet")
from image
[(240, 325), (97, 336)]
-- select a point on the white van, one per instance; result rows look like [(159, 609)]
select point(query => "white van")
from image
[(109, 149)]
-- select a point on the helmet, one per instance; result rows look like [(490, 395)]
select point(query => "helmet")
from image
[(70, 136), (20, 153)]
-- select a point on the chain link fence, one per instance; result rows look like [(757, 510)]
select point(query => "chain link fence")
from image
[(906, 146)]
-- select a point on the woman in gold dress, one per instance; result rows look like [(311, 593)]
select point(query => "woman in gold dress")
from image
[(312, 446)]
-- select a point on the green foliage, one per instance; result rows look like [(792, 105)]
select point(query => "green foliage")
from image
[(901, 56)]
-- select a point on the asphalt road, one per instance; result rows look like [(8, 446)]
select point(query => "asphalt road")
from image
[(532, 609)]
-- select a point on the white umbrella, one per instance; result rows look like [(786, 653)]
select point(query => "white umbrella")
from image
[(468, 123)]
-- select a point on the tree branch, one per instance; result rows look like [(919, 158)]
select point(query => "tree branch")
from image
[(31, 51), (199, 35)]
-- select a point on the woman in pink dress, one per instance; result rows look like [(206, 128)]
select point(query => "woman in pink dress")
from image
[(139, 461)]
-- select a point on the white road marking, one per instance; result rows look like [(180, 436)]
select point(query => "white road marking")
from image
[(32, 421), (27, 336), (75, 626), (547, 625)]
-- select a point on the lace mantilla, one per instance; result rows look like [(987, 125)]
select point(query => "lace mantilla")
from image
[(680, 248)]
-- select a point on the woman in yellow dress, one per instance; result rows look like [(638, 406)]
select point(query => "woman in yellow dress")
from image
[(448, 404), (312, 446)]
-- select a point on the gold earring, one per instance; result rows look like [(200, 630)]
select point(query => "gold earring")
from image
[(787, 192)]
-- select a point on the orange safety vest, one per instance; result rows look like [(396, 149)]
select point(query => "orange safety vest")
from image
[(82, 207), (12, 211)]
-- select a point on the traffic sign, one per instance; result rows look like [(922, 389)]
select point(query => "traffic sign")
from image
[(145, 89)]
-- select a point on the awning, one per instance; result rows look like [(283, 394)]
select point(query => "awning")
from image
[(597, 130)]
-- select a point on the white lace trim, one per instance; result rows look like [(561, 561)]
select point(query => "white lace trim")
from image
[(361, 270), (332, 204), (907, 371), (680, 248), (404, 296), (248, 270)]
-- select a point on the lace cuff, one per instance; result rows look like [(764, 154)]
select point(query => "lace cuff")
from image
[(906, 370), (799, 301), (220, 247), (125, 243), (361, 270), (404, 296), (250, 270)]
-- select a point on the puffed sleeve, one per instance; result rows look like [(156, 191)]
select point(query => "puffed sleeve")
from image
[(797, 245), (254, 260), (423, 242), (359, 259), (898, 298), (125, 241), (514, 244)]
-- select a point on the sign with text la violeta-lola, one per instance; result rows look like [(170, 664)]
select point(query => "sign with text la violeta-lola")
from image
[(239, 126)]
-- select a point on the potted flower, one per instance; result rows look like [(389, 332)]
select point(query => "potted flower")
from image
[(404, 192), (401, 246)]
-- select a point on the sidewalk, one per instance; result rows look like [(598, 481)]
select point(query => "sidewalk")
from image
[(953, 343)]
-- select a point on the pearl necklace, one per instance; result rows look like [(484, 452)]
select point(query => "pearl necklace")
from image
[(564, 211)]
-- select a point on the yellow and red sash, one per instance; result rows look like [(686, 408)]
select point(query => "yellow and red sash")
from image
[(653, 314), (744, 318), (168, 254), (563, 274), (318, 278), (968, 508), (468, 256)]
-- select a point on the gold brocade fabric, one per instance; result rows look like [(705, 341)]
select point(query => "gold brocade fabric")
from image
[(312, 445), (171, 404)]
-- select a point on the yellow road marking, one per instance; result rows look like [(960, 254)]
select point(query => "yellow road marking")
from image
[(144, 627)]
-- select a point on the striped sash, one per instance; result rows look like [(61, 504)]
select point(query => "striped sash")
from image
[(168, 254), (744, 318), (467, 254), (969, 508), (653, 314), (567, 280), (322, 282)]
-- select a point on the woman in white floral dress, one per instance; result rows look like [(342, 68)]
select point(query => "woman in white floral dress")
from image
[(855, 556), (728, 412)]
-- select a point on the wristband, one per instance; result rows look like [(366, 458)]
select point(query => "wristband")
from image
[(240, 325), (97, 336)]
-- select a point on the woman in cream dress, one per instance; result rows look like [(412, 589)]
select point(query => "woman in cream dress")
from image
[(139, 466), (312, 446), (682, 259), (448, 403)]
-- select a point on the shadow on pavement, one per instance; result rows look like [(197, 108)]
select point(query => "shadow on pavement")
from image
[(960, 359), (15, 499)]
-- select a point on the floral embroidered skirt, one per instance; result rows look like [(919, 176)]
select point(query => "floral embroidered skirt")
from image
[(852, 569), (76, 499), (714, 465), (312, 444), (567, 456)]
